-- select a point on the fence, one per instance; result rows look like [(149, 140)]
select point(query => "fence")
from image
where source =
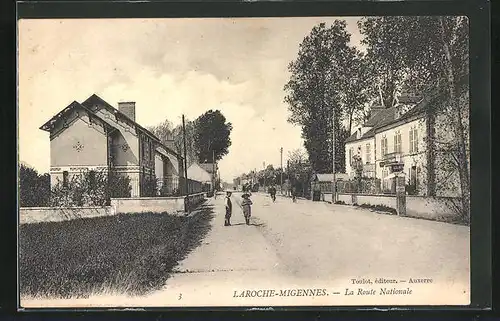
[(167, 186)]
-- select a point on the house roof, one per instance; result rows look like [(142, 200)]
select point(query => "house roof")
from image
[(96, 99), (386, 117), (51, 122), (208, 167), (197, 173), (86, 105)]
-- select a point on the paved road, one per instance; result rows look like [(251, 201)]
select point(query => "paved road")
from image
[(316, 245)]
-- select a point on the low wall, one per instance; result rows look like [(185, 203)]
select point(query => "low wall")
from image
[(194, 200), (57, 214), (170, 205), (434, 208)]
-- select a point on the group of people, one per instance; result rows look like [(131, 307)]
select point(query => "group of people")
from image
[(246, 205)]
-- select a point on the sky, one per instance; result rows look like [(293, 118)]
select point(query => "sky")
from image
[(169, 67)]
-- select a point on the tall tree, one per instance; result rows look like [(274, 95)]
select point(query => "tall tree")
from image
[(212, 136), (315, 91), (385, 59)]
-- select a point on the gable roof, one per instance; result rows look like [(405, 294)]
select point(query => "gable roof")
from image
[(48, 126), (96, 99), (386, 117), (208, 167), (197, 173)]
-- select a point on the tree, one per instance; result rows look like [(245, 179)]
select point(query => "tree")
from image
[(34, 188), (212, 136), (166, 132), (384, 57), (324, 81)]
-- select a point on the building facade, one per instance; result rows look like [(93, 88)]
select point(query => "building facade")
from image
[(94, 135), (392, 135)]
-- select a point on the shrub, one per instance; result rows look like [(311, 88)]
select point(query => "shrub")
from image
[(340, 202), (381, 208), (90, 188), (34, 189)]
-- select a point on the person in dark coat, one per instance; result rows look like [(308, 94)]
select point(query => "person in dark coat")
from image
[(229, 209)]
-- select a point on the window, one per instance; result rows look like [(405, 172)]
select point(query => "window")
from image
[(368, 154), (351, 152), (65, 178), (397, 142), (383, 146), (413, 140)]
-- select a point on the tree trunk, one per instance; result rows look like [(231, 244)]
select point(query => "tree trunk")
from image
[(458, 128)]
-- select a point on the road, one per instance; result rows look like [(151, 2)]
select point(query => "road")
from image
[(315, 245)]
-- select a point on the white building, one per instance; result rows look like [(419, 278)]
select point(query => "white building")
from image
[(391, 134)]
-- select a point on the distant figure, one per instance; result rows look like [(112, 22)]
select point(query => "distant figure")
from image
[(272, 191), (247, 207), (229, 209), (294, 194)]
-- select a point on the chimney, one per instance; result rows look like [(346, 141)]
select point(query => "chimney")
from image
[(127, 108)]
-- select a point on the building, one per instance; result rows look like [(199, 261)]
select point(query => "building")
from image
[(198, 173), (94, 135), (395, 134)]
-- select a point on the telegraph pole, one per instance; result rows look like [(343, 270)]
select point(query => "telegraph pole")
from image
[(334, 198), (213, 170), (185, 155), (281, 155)]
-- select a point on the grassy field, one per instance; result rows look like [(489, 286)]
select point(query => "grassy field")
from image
[(126, 253)]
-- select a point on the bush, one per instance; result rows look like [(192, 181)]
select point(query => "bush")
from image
[(150, 186), (90, 188), (381, 208), (340, 202), (34, 189)]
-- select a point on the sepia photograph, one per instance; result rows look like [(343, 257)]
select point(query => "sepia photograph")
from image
[(244, 162)]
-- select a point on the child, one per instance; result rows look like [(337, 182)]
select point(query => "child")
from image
[(247, 207), (229, 209)]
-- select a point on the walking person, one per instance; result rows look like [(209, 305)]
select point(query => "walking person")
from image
[(246, 205), (294, 194), (272, 191), (229, 209)]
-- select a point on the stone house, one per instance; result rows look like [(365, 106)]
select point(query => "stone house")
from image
[(94, 135)]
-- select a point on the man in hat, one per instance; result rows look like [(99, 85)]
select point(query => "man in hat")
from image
[(229, 209)]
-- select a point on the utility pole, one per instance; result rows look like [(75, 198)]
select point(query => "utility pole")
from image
[(281, 155), (213, 170), (185, 155), (334, 198)]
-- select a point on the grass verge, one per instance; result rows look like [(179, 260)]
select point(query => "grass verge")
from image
[(126, 254)]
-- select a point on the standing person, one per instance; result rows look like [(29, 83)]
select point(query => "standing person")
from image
[(247, 207), (294, 194), (229, 209), (272, 191)]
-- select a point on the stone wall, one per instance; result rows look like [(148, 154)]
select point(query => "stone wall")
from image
[(57, 214), (434, 208), (171, 205)]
